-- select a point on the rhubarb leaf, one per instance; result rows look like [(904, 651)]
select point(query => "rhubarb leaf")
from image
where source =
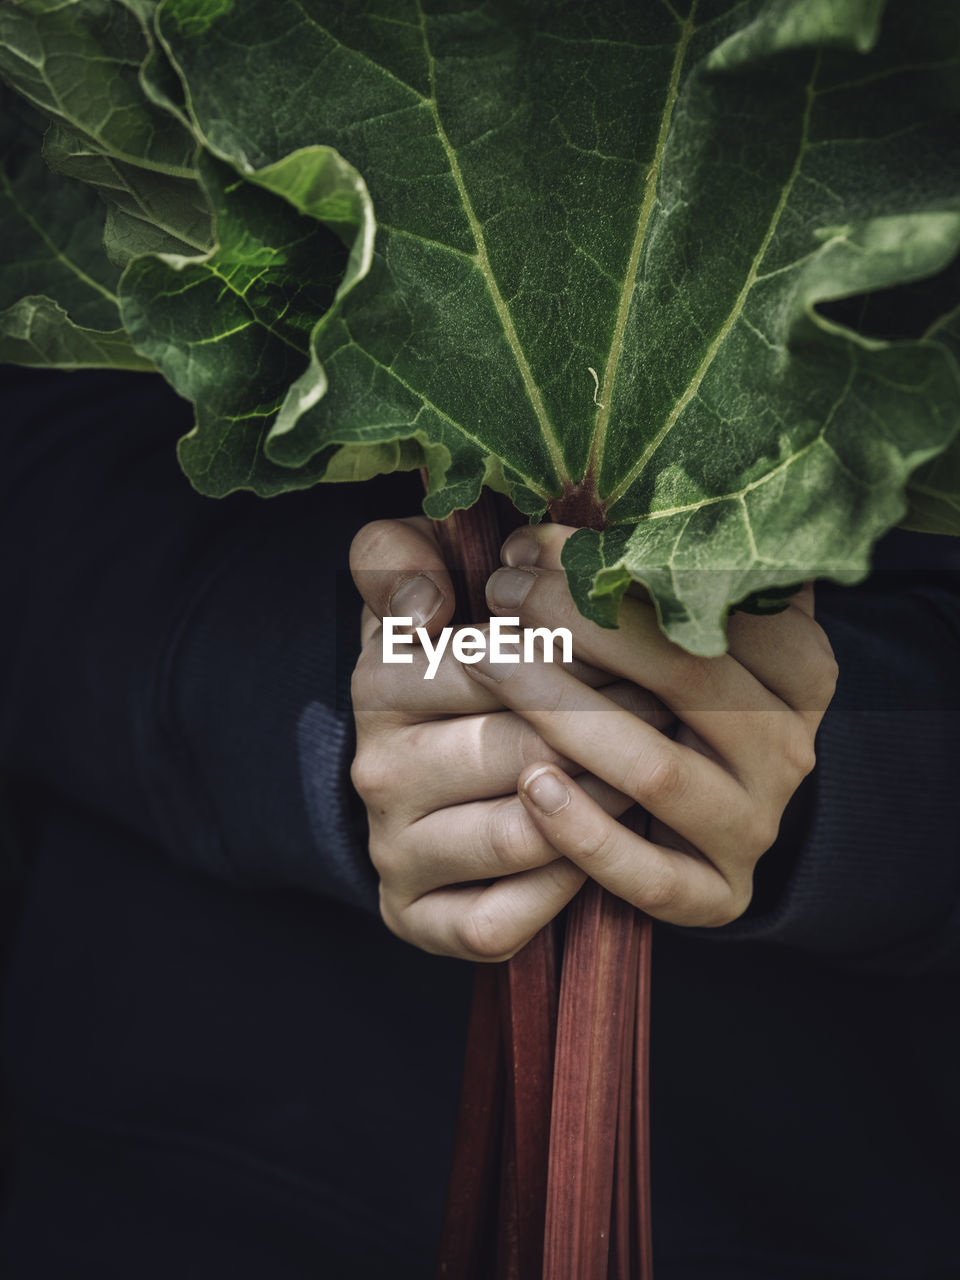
[(38, 331), (277, 265), (934, 490), (596, 257), (58, 301), (660, 199), (79, 62), (147, 212)]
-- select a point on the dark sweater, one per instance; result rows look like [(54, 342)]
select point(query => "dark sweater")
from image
[(218, 1063)]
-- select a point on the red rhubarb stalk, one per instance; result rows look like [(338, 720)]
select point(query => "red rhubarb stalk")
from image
[(469, 1233), (552, 1140), (504, 1118), (622, 1223), (594, 998), (641, 1107), (529, 1028)]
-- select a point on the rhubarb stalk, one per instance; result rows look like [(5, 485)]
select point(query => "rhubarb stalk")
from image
[(566, 1139)]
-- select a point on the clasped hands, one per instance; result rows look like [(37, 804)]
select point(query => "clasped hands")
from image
[(493, 792)]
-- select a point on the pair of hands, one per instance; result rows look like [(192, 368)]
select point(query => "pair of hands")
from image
[(493, 792)]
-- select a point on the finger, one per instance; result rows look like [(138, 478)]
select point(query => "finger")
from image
[(369, 625), (536, 544), (671, 885), (636, 650), (804, 599), (789, 654), (456, 761), (485, 922), (399, 692), (682, 787), (541, 546), (695, 688), (399, 571), (482, 756), (481, 840), (407, 692)]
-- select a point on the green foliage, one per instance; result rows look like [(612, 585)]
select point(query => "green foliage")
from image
[(597, 256)]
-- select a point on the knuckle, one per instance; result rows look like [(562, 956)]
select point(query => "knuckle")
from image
[(370, 777), (819, 667), (485, 935), (823, 640), (392, 918), (729, 907), (658, 781), (823, 673), (791, 750), (384, 856), (830, 675), (662, 891), (594, 844), (802, 757), (513, 838), (402, 926), (758, 831)]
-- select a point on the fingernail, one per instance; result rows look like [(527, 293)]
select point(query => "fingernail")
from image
[(520, 548), (547, 791), (419, 598), (508, 588)]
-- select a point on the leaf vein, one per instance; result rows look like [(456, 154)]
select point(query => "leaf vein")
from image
[(602, 420), (503, 312), (457, 426), (735, 311), (58, 255)]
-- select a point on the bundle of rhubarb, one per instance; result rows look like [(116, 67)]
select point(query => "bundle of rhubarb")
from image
[(680, 272)]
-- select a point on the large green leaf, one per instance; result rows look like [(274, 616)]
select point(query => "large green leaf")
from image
[(610, 244), (147, 212), (934, 490), (603, 235), (58, 301), (275, 267), (79, 62), (38, 331), (92, 66)]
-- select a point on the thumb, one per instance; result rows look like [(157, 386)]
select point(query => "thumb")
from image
[(399, 571)]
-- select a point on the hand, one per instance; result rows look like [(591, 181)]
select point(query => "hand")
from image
[(464, 870), (716, 790)]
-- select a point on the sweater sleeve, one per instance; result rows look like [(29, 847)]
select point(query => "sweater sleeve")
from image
[(179, 665), (866, 873)]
